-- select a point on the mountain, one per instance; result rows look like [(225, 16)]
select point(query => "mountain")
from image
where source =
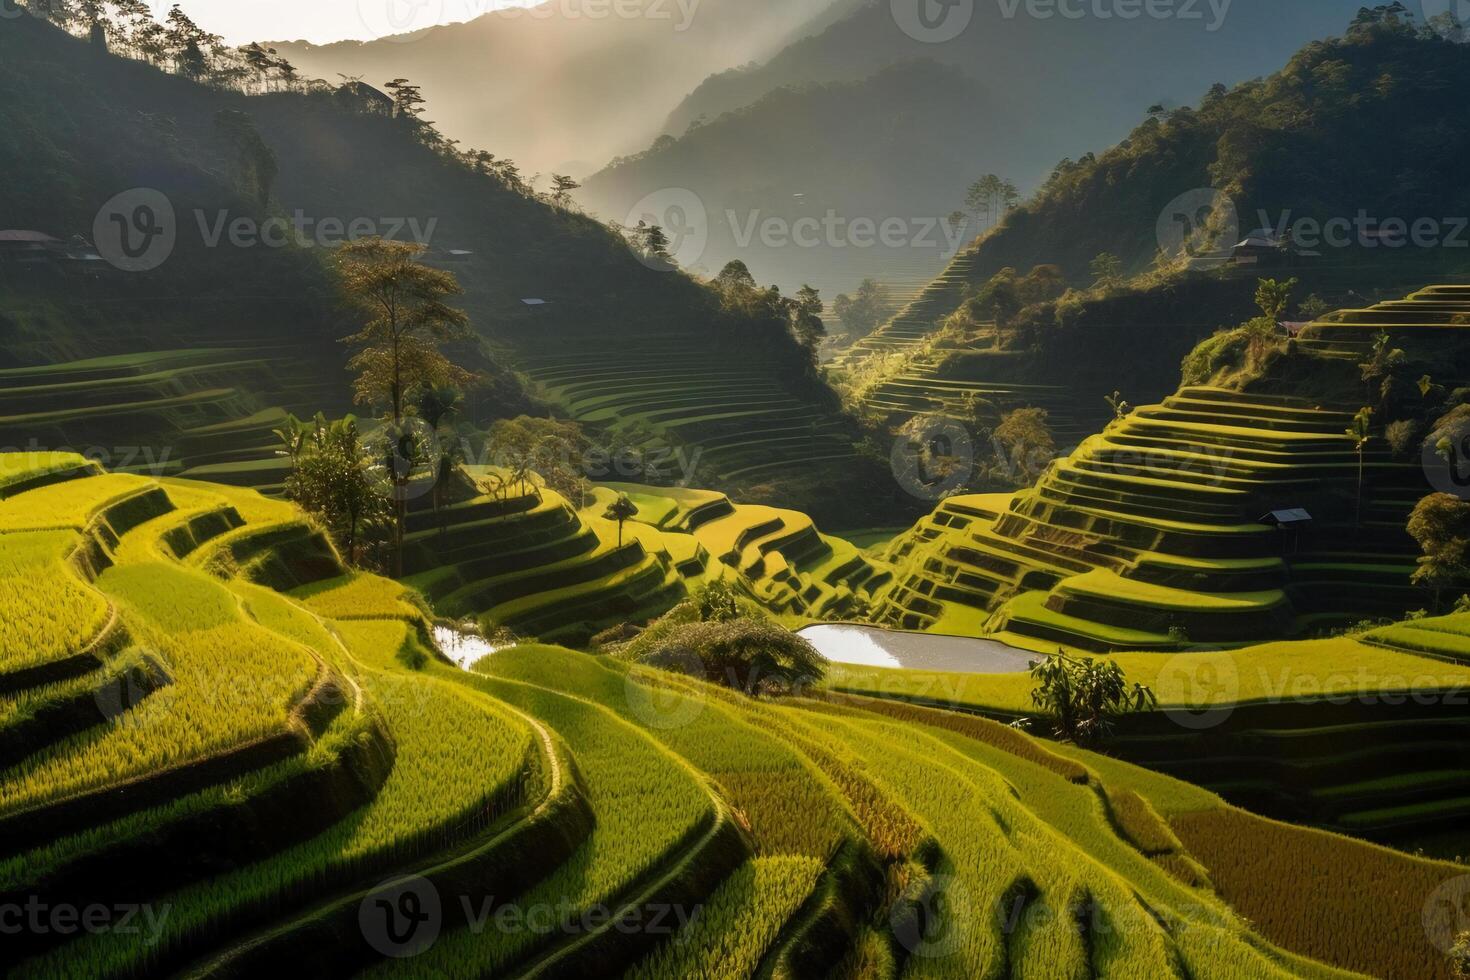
[(1086, 77), (737, 140), (559, 87), (1366, 124), (839, 158)]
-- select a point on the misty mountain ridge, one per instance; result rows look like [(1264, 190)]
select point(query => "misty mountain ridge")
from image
[(558, 89)]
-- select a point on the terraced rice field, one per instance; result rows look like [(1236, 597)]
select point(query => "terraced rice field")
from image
[(937, 386), (737, 422), (922, 315), (534, 564), (1151, 535), (570, 815), (207, 411)]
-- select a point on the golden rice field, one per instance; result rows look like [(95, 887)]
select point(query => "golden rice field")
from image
[(46, 612)]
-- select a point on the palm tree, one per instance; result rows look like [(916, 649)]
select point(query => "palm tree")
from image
[(1361, 432), (621, 510)]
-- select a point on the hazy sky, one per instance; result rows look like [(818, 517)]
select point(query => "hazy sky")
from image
[(326, 20)]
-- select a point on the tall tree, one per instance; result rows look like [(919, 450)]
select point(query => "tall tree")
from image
[(806, 318), (561, 189), (1441, 525), (408, 318), (864, 311), (1361, 432), (990, 197), (621, 510), (255, 161), (408, 99)]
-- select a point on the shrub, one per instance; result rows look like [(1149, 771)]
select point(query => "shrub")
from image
[(1460, 957), (1083, 696), (751, 655)]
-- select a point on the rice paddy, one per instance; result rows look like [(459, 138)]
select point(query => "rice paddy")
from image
[(1157, 532)]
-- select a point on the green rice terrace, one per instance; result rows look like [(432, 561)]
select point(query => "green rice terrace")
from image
[(207, 411), (525, 559), (908, 368), (744, 423), (1154, 534), (188, 669)]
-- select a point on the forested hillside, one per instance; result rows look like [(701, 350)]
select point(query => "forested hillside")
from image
[(313, 161), (1355, 137)]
